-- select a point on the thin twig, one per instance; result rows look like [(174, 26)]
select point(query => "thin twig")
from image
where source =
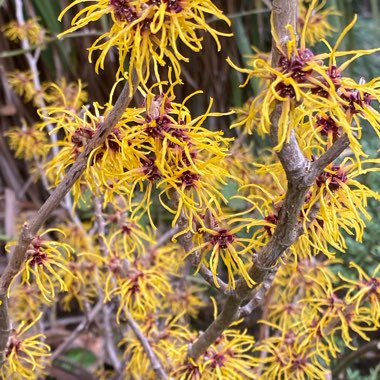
[(331, 154), (257, 297), (79, 329), (164, 238), (113, 355), (249, 12), (156, 365), (352, 356), (110, 343), (41, 46)]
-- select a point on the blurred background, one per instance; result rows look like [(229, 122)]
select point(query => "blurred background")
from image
[(67, 58)]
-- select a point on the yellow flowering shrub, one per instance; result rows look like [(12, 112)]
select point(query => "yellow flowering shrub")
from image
[(142, 229)]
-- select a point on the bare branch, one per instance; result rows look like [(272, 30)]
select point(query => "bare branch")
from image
[(164, 238), (4, 326), (331, 154), (157, 367), (112, 351), (228, 315), (79, 329), (257, 296)]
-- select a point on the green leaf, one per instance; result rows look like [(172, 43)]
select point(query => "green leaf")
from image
[(81, 356)]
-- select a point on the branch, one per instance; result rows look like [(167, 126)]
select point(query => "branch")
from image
[(258, 296), (79, 329), (228, 315), (157, 367), (331, 154), (352, 356), (112, 351), (4, 326), (164, 238)]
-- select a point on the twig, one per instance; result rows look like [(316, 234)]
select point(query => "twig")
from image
[(164, 238), (32, 63), (257, 297), (79, 329), (110, 343), (331, 154), (157, 366), (16, 52), (249, 12), (345, 361)]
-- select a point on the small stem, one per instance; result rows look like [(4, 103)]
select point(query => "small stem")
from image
[(79, 329), (110, 343), (240, 14), (351, 357), (331, 154), (157, 366)]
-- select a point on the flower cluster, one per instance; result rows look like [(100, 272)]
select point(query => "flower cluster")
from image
[(26, 355), (317, 100), (28, 142), (159, 146), (146, 31), (30, 30), (44, 265), (303, 348), (162, 169)]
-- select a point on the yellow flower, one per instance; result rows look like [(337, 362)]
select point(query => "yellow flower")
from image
[(195, 193), (187, 299), (230, 357), (25, 355), (68, 95), (294, 280), (26, 302), (147, 30), (364, 292), (31, 31), (22, 83), (45, 259), (132, 234), (29, 143), (286, 358), (141, 289), (76, 236), (312, 91), (341, 201), (318, 26), (105, 164), (224, 244)]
